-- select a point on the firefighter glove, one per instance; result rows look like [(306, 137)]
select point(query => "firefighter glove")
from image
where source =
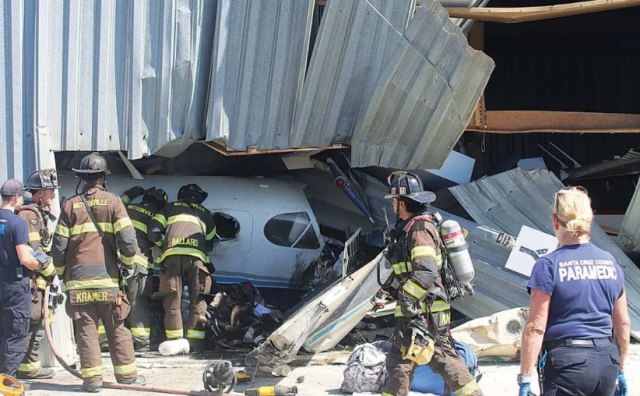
[(134, 192), (621, 389), (409, 309)]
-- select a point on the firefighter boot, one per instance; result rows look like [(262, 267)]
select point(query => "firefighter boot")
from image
[(92, 385), (139, 380), (42, 373)]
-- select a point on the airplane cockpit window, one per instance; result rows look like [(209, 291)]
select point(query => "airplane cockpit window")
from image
[(292, 230), (227, 227)]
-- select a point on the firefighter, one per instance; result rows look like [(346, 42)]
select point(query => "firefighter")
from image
[(42, 185), (84, 254), (415, 253), (139, 287), (188, 230)]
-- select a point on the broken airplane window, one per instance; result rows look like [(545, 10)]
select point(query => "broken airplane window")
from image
[(227, 227), (291, 229)]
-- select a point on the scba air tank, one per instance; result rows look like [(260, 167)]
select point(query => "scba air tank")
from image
[(458, 254)]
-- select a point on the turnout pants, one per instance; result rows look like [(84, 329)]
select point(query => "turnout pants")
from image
[(175, 272), (445, 362), (140, 317), (15, 307), (31, 361), (86, 318), (581, 370)]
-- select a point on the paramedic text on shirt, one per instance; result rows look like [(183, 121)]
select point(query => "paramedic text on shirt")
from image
[(578, 303)]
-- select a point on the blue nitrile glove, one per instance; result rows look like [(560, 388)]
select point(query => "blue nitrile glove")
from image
[(621, 389), (525, 390)]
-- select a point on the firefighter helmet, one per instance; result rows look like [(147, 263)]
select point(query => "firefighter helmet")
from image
[(408, 185), (92, 164), (156, 197), (192, 192), (46, 179)]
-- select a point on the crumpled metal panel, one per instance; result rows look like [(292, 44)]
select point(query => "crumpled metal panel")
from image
[(508, 201), (489, 259), (126, 75), (259, 60), (103, 75), (424, 97), (629, 235), (355, 40)]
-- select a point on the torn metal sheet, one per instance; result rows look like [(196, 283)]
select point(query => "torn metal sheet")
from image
[(424, 97), (355, 40), (515, 198), (497, 336), (629, 164), (323, 321), (629, 236), (259, 60)]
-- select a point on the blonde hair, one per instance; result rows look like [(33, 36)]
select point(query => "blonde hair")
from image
[(572, 208)]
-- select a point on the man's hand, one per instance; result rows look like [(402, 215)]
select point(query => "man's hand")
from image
[(621, 389), (134, 192), (409, 309)]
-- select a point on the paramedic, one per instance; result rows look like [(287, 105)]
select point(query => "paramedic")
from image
[(578, 302)]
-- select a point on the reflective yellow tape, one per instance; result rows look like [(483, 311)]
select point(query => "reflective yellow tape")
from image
[(48, 270), (125, 369), (195, 334), (91, 284), (30, 367), (185, 251), (138, 225), (398, 312), (63, 231), (468, 389), (414, 289), (423, 251), (128, 261), (92, 372), (101, 330), (125, 199), (160, 219), (173, 334), (122, 224), (401, 268), (387, 394), (59, 270), (212, 234), (141, 260), (34, 237), (42, 284), (90, 227), (439, 306), (140, 331), (186, 218)]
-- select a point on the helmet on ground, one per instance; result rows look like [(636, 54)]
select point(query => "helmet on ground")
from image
[(192, 192), (46, 179), (92, 164), (408, 185), (156, 197)]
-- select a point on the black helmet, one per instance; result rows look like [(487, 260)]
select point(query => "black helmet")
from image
[(92, 164), (408, 185), (46, 179), (192, 192), (156, 197)]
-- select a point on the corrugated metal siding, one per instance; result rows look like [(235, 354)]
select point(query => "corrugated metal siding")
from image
[(424, 98), (355, 40), (103, 75), (512, 199), (489, 259), (629, 235), (259, 60), (16, 91)]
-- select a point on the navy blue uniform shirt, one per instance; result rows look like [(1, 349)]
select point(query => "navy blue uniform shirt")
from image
[(584, 283), (13, 232)]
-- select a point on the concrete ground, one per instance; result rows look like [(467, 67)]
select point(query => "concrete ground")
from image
[(322, 375)]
